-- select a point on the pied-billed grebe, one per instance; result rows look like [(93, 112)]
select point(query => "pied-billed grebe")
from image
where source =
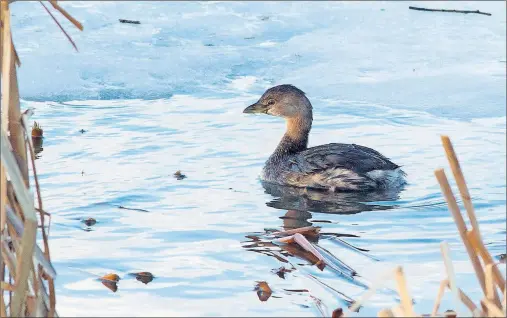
[(334, 167)]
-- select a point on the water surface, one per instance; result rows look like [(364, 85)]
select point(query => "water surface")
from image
[(140, 102)]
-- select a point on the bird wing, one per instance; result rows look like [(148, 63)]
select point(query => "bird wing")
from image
[(352, 157)]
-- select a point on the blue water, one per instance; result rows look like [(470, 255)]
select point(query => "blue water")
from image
[(168, 95)]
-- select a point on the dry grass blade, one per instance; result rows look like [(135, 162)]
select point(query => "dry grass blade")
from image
[(441, 290), (490, 284), (478, 245), (460, 181), (444, 247), (3, 196), (469, 207), (66, 14), (303, 242), (309, 230), (385, 313), (286, 239), (371, 291), (493, 310), (460, 223), (406, 300), (398, 311), (60, 26), (16, 56)]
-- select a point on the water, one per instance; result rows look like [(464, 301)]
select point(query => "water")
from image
[(168, 95)]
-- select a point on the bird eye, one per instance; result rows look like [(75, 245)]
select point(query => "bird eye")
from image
[(271, 102)]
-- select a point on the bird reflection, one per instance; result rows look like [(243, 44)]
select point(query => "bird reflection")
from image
[(308, 200)]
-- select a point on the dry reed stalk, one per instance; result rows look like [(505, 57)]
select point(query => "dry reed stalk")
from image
[(469, 304), (438, 300), (3, 310), (467, 203), (51, 284), (10, 95), (492, 309), (486, 258), (385, 313), (504, 302), (398, 311), (286, 240), (303, 242), (23, 256), (3, 198), (444, 248), (406, 300), (312, 230), (37, 187), (460, 223), (371, 291), (60, 26), (490, 284), (66, 14), (7, 286)]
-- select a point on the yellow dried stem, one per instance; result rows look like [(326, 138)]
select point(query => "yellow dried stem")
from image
[(7, 286), (3, 197), (3, 311), (385, 313), (60, 26), (469, 303), (469, 207), (406, 300), (473, 238), (460, 223), (490, 284), (10, 95), (479, 247), (441, 290), (398, 311), (493, 310), (371, 291), (444, 248), (66, 14)]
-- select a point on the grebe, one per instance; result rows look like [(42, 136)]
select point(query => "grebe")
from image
[(333, 167)]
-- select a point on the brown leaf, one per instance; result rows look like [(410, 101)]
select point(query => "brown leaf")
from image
[(90, 221), (111, 285), (111, 277), (263, 291), (144, 277), (337, 313), (179, 176), (281, 272)]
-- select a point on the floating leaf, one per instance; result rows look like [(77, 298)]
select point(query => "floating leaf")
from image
[(110, 277), (263, 291), (90, 221), (281, 272), (179, 176), (113, 286), (144, 277), (337, 313)]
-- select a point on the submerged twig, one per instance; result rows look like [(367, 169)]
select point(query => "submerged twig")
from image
[(448, 10)]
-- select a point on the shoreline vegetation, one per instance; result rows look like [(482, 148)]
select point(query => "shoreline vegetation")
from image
[(27, 275)]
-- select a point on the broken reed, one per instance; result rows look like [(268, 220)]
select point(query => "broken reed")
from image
[(489, 277), (26, 274)]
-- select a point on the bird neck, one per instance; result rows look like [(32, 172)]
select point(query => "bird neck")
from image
[(295, 138)]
